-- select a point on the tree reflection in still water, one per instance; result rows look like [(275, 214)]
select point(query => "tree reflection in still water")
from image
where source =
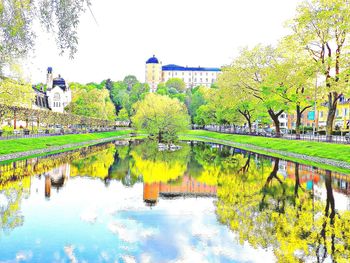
[(268, 210), (269, 203)]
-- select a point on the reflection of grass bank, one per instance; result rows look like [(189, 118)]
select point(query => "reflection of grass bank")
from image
[(313, 149), (29, 144)]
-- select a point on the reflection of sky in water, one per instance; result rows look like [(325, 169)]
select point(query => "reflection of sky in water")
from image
[(85, 221)]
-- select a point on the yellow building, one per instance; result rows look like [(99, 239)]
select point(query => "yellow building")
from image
[(342, 116), (153, 73), (192, 76)]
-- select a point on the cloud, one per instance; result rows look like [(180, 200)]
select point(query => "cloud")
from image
[(24, 255), (188, 253), (131, 231), (69, 250), (128, 259), (89, 215)]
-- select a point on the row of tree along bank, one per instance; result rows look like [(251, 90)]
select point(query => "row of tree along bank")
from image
[(309, 66), (45, 119), (308, 69)]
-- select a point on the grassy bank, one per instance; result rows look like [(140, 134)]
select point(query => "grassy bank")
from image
[(28, 144), (315, 149)]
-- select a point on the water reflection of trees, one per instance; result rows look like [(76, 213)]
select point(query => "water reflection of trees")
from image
[(268, 210), (11, 194), (159, 166), (255, 200), (95, 165), (15, 178)]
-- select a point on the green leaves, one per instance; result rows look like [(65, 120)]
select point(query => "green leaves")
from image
[(177, 84), (17, 35), (160, 115), (91, 101)]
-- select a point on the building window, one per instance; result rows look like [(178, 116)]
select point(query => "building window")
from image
[(206, 80), (212, 80), (201, 78), (189, 79), (195, 80), (321, 114), (201, 73), (56, 96), (345, 112)]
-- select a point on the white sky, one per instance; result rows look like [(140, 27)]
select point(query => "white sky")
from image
[(204, 33)]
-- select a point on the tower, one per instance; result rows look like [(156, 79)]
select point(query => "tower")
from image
[(153, 73), (49, 78)]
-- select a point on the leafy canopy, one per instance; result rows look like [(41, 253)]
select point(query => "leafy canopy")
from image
[(161, 116)]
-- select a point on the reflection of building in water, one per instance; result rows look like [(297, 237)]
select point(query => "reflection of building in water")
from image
[(47, 186), (56, 178), (188, 187), (312, 175), (307, 174)]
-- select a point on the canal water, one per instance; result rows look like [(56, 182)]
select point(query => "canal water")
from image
[(130, 202)]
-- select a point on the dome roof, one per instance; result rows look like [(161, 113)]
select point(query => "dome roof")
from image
[(152, 60), (59, 82)]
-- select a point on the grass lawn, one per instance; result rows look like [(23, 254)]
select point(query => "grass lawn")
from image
[(27, 144), (338, 152)]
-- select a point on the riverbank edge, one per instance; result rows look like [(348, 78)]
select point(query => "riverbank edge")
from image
[(325, 163), (60, 148)]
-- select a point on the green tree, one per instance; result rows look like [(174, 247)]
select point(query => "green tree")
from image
[(256, 72), (87, 100), (299, 72), (17, 19), (323, 28), (130, 81), (233, 96), (161, 116), (177, 84), (16, 93), (125, 93), (195, 99)]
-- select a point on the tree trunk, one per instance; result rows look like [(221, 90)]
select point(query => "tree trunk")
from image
[(250, 126), (247, 116), (332, 108), (160, 136), (298, 123), (14, 121), (274, 116), (297, 182)]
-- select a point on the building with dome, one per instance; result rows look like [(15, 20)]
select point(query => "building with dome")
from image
[(153, 73), (57, 95), (192, 76)]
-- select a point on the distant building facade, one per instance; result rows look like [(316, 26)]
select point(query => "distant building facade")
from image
[(192, 76), (57, 95)]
